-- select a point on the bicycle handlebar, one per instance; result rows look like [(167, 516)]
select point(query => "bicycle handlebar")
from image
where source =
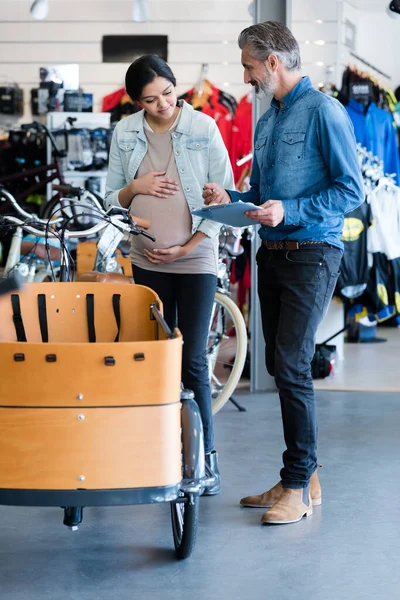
[(67, 234), (119, 224), (7, 196), (68, 189), (21, 211)]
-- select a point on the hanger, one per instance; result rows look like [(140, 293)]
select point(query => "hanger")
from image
[(244, 159), (202, 89), (198, 88)]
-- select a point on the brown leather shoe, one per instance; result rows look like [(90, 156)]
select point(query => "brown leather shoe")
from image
[(315, 489), (267, 499), (292, 506)]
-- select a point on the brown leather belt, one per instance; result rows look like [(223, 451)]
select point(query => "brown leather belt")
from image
[(289, 245)]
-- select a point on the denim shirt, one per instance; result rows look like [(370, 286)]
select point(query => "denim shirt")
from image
[(305, 155), (200, 156)]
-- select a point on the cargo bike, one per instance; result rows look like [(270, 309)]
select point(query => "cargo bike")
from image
[(92, 412)]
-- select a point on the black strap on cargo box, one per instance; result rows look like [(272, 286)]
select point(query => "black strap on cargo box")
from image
[(17, 318), (116, 302), (90, 317), (43, 317)]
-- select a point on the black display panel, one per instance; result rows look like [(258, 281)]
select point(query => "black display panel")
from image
[(127, 48)]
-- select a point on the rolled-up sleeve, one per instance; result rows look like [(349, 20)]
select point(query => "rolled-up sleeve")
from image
[(338, 147)]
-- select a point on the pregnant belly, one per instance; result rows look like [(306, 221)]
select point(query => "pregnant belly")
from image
[(170, 221)]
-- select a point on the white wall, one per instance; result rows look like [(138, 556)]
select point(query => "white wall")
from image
[(317, 21), (378, 43), (199, 31), (376, 40)]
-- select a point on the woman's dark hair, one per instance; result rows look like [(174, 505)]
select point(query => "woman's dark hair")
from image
[(143, 71)]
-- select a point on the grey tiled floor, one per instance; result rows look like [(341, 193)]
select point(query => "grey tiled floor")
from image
[(349, 549)]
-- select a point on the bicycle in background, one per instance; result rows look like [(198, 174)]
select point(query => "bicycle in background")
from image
[(227, 341)]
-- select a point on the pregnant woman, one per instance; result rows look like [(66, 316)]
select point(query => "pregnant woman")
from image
[(160, 160)]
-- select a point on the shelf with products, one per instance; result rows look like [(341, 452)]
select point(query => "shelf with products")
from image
[(85, 139)]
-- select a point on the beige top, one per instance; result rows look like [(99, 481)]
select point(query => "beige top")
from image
[(171, 223)]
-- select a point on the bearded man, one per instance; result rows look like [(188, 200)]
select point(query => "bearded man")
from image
[(305, 178)]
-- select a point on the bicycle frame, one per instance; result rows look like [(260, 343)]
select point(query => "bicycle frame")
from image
[(15, 251)]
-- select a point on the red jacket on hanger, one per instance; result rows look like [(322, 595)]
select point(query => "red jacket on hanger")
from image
[(242, 134), (218, 106)]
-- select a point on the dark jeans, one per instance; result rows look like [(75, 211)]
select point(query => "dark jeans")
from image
[(188, 302), (295, 288)]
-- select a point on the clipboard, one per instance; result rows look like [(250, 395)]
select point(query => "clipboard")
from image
[(231, 213)]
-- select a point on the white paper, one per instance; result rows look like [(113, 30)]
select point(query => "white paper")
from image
[(231, 213)]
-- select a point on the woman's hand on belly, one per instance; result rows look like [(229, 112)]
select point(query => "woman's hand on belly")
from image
[(166, 255), (154, 184)]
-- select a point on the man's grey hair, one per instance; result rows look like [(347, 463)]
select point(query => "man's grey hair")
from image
[(271, 37)]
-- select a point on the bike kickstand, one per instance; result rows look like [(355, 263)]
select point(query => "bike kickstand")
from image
[(238, 406)]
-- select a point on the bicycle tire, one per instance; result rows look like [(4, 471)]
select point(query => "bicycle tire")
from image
[(241, 351), (54, 204), (185, 518)]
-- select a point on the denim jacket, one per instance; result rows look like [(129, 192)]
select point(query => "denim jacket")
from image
[(305, 155), (200, 155)]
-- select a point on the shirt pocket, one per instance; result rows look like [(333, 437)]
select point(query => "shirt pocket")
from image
[(199, 145), (197, 153), (259, 149), (291, 149)]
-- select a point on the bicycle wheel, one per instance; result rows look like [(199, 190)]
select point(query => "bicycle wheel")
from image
[(77, 217), (184, 516), (227, 349)]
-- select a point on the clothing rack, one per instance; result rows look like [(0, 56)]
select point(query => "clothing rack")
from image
[(367, 64)]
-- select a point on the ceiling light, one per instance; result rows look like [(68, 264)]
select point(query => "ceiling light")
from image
[(307, 42), (319, 42), (319, 21), (140, 11), (40, 9), (320, 63)]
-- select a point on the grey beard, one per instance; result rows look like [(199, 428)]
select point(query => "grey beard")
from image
[(265, 90)]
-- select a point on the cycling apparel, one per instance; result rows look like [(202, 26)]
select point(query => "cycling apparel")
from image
[(242, 134), (384, 236), (354, 268), (375, 130)]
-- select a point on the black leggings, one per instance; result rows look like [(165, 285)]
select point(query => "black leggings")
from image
[(188, 301)]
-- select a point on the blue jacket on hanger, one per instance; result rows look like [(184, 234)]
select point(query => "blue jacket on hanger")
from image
[(377, 133), (356, 114)]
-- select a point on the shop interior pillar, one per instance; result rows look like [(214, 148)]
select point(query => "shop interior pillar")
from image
[(273, 10)]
